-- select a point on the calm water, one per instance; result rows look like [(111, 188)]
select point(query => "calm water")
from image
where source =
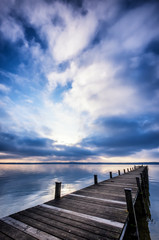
[(23, 186)]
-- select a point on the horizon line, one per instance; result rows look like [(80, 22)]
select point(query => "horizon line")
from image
[(100, 163)]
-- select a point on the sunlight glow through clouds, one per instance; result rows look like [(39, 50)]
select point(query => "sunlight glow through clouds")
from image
[(67, 68)]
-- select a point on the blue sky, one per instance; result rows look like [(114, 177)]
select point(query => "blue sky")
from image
[(79, 80)]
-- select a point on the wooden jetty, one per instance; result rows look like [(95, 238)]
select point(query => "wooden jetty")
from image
[(100, 211)]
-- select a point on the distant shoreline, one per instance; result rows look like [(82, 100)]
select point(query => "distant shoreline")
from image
[(81, 163)]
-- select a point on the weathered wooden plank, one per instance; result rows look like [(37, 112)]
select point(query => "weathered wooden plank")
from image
[(120, 181), (100, 210), (107, 194), (94, 218), (101, 195), (110, 188), (117, 184), (75, 222), (37, 234), (13, 232), (49, 229), (81, 203), (97, 203), (4, 237), (104, 213), (78, 218), (129, 177), (120, 184), (102, 201), (78, 232), (132, 173)]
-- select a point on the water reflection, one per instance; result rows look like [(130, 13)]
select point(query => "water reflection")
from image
[(23, 186), (154, 201)]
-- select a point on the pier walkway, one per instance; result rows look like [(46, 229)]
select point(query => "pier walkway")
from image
[(100, 211)]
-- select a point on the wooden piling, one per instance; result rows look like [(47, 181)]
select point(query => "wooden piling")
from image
[(95, 179), (110, 174), (138, 184), (145, 176), (57, 190), (143, 185), (140, 195), (131, 210), (119, 172)]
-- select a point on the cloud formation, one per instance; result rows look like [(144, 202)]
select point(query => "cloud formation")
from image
[(35, 146), (79, 76), (124, 136)]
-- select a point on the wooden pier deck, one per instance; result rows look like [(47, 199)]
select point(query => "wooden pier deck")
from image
[(95, 212)]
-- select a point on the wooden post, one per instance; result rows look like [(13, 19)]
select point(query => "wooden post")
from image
[(143, 185), (131, 210), (128, 169), (118, 172), (138, 184), (95, 179), (124, 171), (145, 176), (110, 174), (141, 196), (57, 190)]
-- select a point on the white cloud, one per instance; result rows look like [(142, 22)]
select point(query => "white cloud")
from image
[(4, 88), (11, 30), (55, 78), (98, 91), (70, 35), (136, 28), (75, 36)]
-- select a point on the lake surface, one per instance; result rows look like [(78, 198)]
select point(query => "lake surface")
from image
[(23, 186)]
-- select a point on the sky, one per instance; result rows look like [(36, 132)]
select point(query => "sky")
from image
[(79, 80)]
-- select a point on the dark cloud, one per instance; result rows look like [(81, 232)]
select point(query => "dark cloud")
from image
[(153, 47), (28, 147), (75, 3), (130, 4), (127, 136), (120, 137)]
